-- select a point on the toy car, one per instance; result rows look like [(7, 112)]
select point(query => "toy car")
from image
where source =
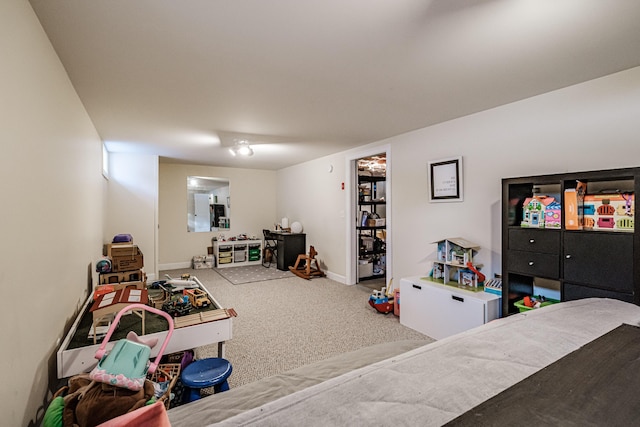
[(177, 306)]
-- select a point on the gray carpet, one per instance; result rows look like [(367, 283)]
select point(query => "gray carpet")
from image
[(288, 323), (252, 273)]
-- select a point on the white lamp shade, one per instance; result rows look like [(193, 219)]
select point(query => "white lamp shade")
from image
[(296, 227)]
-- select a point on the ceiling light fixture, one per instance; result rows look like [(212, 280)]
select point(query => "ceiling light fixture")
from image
[(241, 148)]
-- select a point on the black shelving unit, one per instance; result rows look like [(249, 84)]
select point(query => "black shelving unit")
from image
[(371, 238), (590, 261)]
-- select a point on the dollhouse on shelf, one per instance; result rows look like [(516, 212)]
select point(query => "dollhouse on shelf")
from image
[(454, 264), (541, 212)]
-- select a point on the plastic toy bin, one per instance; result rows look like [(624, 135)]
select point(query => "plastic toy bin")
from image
[(523, 308)]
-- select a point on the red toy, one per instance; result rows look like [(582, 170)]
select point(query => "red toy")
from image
[(383, 307)]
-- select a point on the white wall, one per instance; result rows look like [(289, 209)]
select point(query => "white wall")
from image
[(310, 194), (51, 221), (589, 126), (253, 207), (132, 203), (53, 216)]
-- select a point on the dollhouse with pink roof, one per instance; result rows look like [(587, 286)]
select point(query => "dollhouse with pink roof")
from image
[(541, 212)]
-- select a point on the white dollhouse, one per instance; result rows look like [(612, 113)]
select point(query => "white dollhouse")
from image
[(454, 263)]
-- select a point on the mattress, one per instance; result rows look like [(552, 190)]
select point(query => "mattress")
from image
[(435, 383)]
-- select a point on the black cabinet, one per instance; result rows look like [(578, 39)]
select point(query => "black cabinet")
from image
[(602, 260), (600, 257), (289, 246), (535, 252)]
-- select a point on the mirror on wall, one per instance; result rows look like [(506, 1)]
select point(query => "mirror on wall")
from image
[(208, 204)]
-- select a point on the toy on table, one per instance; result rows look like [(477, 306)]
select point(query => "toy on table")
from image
[(107, 304), (178, 305), (197, 297)]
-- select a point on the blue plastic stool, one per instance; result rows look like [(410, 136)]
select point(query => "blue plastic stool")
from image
[(210, 372)]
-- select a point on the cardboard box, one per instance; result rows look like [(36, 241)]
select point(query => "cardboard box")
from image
[(131, 261), (118, 249), (123, 276), (573, 206), (200, 262)]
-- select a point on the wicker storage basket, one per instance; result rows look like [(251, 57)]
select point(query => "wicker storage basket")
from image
[(166, 372)]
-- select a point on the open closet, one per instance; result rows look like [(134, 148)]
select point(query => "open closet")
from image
[(371, 219)]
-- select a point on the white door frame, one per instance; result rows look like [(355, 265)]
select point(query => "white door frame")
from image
[(351, 184)]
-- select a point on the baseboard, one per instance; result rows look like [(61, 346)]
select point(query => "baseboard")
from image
[(336, 277), (174, 266)]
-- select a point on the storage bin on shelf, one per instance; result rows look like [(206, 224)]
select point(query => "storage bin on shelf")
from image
[(523, 308), (254, 252)]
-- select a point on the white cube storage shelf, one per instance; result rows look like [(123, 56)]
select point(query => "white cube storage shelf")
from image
[(439, 311), (237, 253)]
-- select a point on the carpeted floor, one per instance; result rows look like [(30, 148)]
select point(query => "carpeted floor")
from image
[(252, 273), (287, 323)]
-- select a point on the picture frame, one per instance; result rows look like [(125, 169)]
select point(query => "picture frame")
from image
[(445, 180)]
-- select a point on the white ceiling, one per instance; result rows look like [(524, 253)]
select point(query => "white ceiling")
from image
[(306, 78)]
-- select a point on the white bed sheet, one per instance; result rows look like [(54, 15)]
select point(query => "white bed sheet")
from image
[(433, 384)]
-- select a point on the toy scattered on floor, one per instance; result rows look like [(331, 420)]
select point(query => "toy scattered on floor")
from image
[(381, 301)]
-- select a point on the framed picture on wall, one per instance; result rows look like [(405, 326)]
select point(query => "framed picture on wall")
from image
[(445, 180)]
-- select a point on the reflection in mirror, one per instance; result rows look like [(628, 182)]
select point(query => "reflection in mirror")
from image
[(208, 204)]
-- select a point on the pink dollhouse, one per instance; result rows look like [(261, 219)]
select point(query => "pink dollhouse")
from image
[(534, 212)]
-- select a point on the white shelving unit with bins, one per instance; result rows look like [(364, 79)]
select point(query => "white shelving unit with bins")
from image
[(236, 253)]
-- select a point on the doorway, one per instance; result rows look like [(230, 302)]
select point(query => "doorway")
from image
[(369, 257)]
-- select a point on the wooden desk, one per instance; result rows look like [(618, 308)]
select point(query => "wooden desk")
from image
[(290, 245)]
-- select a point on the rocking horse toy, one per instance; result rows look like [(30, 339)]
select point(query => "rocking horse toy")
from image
[(306, 271)]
